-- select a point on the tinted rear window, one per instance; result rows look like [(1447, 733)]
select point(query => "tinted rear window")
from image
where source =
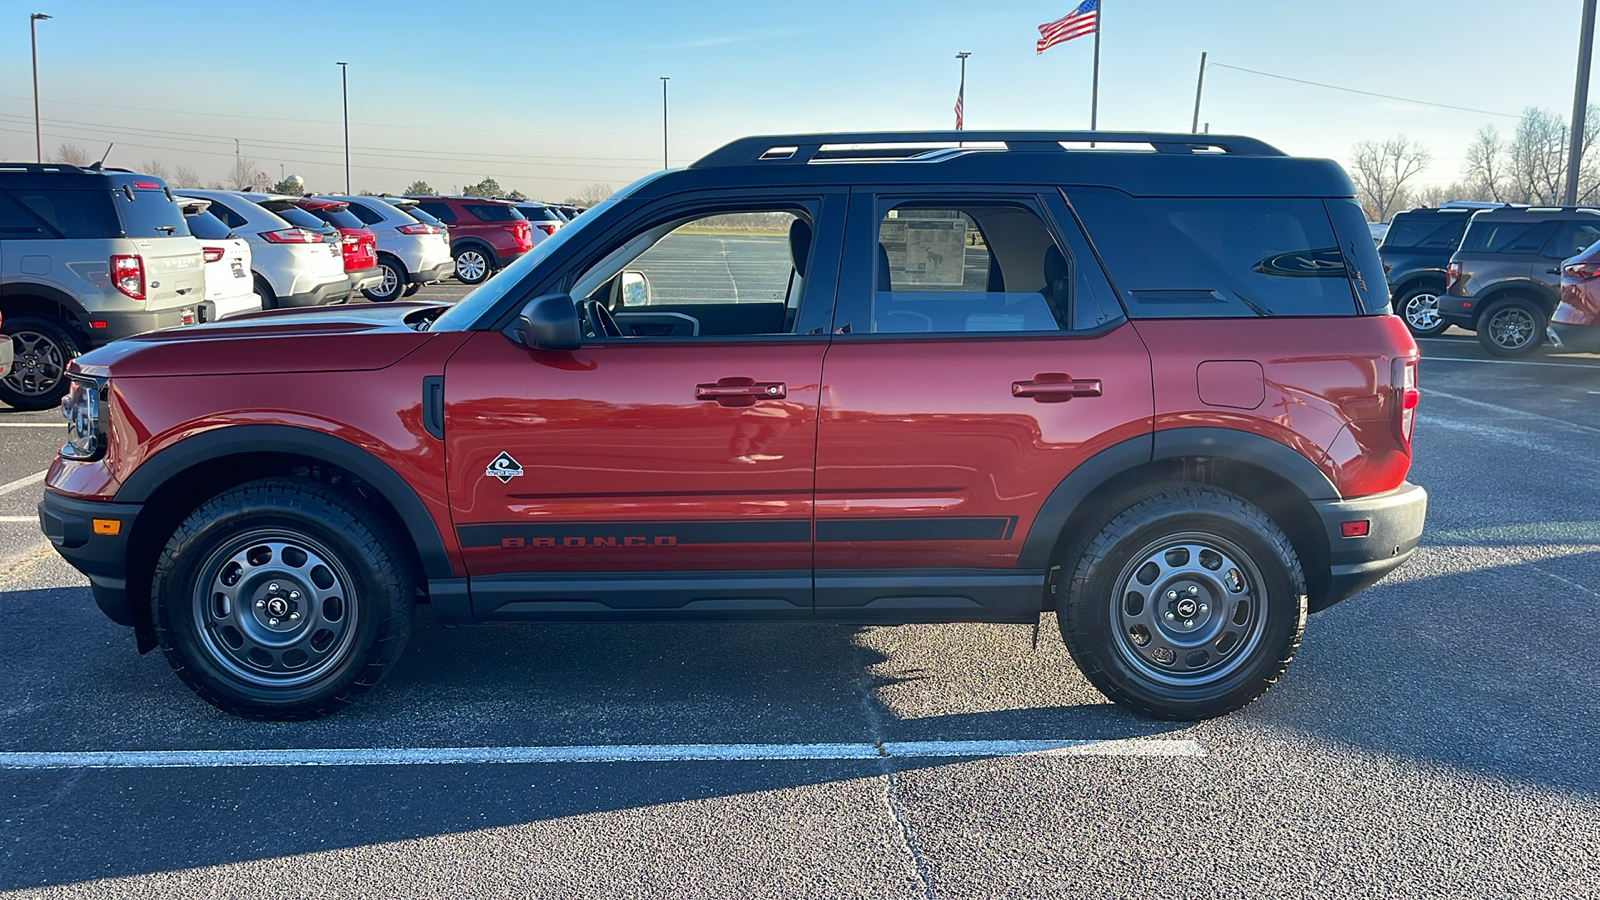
[(208, 227), (1440, 231), (1506, 236), (422, 215), (1198, 257), (540, 214), (71, 214), (493, 212), (148, 214), (294, 215), (438, 209), (339, 218)]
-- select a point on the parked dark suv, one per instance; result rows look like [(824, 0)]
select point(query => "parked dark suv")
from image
[(485, 235), (1416, 251), (1505, 280), (815, 378)]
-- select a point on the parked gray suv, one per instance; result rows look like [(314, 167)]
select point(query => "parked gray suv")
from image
[(1505, 280), (87, 256)]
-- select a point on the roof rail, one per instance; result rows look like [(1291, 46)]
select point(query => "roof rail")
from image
[(45, 167), (799, 149)]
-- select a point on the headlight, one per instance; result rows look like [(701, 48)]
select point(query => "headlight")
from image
[(83, 407)]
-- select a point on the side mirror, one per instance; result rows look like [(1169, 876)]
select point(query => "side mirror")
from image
[(550, 323), (635, 289)]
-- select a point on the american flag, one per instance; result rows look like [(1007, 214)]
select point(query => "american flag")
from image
[(960, 96), (1081, 21)]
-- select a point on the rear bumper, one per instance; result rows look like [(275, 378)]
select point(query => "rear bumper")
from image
[(69, 523), (1577, 338), (361, 279), (321, 295), (105, 327), (1394, 525), (428, 276)]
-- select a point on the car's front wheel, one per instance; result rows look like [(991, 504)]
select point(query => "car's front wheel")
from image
[(1419, 307), (41, 349), (1512, 327), (282, 599), (472, 265), (1187, 604)]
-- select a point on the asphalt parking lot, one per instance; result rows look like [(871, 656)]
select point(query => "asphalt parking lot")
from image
[(1434, 736)]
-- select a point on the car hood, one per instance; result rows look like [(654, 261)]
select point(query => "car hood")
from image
[(324, 339)]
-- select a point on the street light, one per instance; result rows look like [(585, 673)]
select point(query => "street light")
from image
[(664, 80), (344, 84), (33, 37)]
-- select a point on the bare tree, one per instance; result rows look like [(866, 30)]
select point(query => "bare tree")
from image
[(1485, 169), (157, 168), (1537, 158), (246, 176), (590, 195), (71, 154), (185, 177), (1382, 171)]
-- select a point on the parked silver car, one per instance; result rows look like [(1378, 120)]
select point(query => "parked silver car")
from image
[(294, 265), (412, 251), (87, 256)]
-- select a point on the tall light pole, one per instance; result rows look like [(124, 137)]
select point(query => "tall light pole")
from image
[(1199, 85), (1580, 105), (664, 80), (33, 37), (961, 93), (344, 84)]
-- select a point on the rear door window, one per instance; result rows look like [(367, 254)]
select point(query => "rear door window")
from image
[(73, 214), (148, 214), (1573, 238), (438, 210), (1507, 236), (423, 216), (1205, 257), (17, 222)]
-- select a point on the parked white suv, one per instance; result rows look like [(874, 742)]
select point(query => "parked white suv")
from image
[(230, 290), (293, 265), (411, 252)]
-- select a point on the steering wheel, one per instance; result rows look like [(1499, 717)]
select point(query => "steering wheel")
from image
[(601, 322)]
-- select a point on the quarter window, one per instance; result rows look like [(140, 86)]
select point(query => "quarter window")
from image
[(441, 211)]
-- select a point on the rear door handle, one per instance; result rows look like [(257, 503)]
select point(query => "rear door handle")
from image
[(1056, 387), (1552, 271), (740, 391)]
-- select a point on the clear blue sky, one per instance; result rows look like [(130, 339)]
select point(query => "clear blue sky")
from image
[(548, 97)]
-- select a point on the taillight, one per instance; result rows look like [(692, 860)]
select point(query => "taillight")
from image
[(546, 227), (292, 236), (1581, 271), (127, 273), (1403, 379), (213, 254), (522, 234), (1452, 274), (420, 228)]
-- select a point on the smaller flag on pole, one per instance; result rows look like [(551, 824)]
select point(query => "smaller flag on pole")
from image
[(960, 96), (1075, 24)]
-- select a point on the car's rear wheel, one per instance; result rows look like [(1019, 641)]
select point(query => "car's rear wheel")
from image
[(411, 289), (472, 265), (269, 300), (41, 349), (1419, 307), (394, 281), (282, 599), (1512, 327), (1187, 604)]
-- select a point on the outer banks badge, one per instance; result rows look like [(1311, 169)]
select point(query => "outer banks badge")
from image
[(504, 468)]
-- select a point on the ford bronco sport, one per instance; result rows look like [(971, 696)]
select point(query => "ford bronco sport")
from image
[(974, 377)]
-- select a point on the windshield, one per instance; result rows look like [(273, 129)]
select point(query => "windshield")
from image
[(473, 306)]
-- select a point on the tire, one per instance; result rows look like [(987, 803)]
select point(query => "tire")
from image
[(394, 280), (42, 347), (1183, 550), (474, 264), (1512, 327), (269, 300), (282, 599), (411, 289), (1419, 308)]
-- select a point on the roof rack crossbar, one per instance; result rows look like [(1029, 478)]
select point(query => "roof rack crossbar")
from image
[(799, 149)]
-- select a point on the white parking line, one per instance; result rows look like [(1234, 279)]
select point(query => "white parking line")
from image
[(31, 425), (15, 520), (434, 756), (21, 483)]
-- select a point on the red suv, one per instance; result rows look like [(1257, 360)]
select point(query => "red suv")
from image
[(357, 242), (485, 235), (858, 378)]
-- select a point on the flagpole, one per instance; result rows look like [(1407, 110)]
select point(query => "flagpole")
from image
[(1094, 91), (961, 95)]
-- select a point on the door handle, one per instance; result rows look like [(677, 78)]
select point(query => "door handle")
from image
[(740, 391), (1055, 387), (1552, 271)]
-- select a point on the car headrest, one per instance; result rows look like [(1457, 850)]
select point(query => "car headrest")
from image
[(800, 244)]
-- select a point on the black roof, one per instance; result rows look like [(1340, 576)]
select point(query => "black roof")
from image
[(1140, 163), (62, 176)]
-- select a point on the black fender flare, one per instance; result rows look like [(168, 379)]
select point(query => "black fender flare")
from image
[(457, 246), (237, 439), (78, 317), (1172, 443)]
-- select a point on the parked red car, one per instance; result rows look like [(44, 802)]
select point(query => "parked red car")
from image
[(485, 235), (358, 242), (1576, 322)]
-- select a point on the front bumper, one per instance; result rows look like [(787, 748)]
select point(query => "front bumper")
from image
[(1356, 563), (81, 531)]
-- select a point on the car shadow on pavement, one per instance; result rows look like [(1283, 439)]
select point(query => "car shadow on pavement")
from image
[(509, 686)]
